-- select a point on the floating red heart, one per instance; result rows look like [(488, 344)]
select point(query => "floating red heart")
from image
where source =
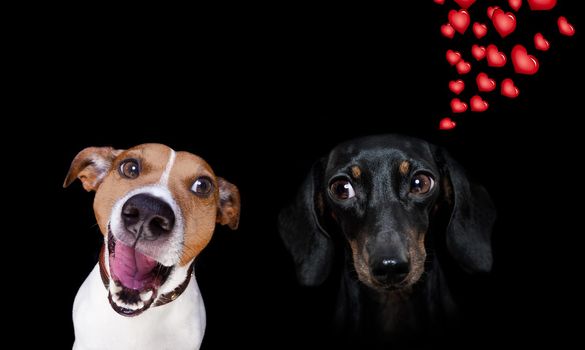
[(515, 4), (465, 3), (508, 89), (453, 57), (491, 10), (447, 124), (541, 5), (504, 22), (565, 27), (484, 83), (463, 67), (540, 42), (477, 104), (457, 106), (495, 58), (479, 29), (478, 52), (447, 31), (523, 62), (457, 86), (459, 20)]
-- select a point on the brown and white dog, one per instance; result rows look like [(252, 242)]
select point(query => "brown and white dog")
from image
[(157, 210)]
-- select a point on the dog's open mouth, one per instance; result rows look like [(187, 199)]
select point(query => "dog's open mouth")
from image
[(136, 278)]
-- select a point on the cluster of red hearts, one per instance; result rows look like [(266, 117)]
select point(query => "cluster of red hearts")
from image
[(504, 22)]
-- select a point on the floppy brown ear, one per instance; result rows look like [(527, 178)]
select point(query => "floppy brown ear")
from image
[(90, 166), (228, 210)]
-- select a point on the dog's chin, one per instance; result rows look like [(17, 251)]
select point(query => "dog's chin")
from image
[(383, 287), (135, 278)]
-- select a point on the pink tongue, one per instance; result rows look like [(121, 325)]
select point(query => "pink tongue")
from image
[(131, 267)]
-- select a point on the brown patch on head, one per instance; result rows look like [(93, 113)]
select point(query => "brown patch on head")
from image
[(356, 171), (199, 212), (404, 167), (152, 159)]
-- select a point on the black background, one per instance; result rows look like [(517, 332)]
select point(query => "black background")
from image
[(261, 93)]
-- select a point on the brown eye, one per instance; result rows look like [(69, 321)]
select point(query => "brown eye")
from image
[(421, 184), (129, 168), (341, 189), (202, 186)]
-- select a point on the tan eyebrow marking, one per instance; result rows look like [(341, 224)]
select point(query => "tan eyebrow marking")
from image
[(356, 171), (404, 167)]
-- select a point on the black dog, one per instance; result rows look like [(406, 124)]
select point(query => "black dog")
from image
[(383, 207)]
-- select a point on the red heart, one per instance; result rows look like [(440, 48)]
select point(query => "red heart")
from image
[(484, 83), (494, 57), (540, 42), (479, 29), (515, 4), (523, 63), (504, 22), (459, 20), (457, 86), (508, 89), (447, 124), (457, 106), (453, 57), (565, 27), (465, 3), (541, 5), (491, 10), (447, 31), (478, 105), (463, 67), (440, 2), (478, 52)]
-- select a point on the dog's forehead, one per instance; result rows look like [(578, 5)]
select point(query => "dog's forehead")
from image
[(154, 153), (380, 149), (190, 163), (157, 154)]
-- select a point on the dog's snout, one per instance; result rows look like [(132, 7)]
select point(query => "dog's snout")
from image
[(390, 270), (147, 217)]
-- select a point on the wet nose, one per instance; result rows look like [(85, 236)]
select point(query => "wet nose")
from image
[(147, 217), (390, 270)]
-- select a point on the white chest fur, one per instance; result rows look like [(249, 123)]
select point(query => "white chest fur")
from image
[(176, 325)]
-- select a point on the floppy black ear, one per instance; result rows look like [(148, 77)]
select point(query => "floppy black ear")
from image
[(472, 218), (304, 237)]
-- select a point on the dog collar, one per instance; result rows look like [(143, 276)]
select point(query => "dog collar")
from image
[(163, 298)]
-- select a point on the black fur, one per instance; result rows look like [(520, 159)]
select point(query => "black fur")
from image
[(455, 219)]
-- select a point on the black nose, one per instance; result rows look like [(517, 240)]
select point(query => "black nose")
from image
[(147, 217), (390, 270)]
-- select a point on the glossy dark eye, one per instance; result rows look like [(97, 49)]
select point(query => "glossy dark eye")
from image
[(202, 186), (421, 183), (341, 189), (129, 168)]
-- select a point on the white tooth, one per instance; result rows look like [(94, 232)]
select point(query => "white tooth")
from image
[(140, 305), (114, 287), (115, 299), (146, 296)]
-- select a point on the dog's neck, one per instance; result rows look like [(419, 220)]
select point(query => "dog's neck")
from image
[(163, 298)]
